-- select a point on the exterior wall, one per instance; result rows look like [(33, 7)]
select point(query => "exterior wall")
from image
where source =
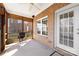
[(50, 12)]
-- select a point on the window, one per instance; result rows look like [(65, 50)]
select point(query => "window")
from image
[(42, 27)]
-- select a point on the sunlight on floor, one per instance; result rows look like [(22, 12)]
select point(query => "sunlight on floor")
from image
[(20, 43), (11, 52)]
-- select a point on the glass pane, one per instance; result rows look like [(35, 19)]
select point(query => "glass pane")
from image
[(66, 35), (71, 29), (71, 14), (71, 43), (61, 30), (61, 40), (66, 15), (61, 16), (65, 42), (70, 36), (71, 21), (44, 26), (39, 27)]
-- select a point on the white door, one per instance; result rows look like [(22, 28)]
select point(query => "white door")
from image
[(67, 29)]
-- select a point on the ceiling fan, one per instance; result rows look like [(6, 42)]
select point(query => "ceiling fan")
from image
[(32, 5)]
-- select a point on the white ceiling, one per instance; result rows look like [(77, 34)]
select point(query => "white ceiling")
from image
[(26, 9)]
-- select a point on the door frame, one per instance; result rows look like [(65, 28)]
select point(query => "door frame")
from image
[(57, 12)]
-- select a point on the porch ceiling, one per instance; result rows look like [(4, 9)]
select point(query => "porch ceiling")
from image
[(26, 9)]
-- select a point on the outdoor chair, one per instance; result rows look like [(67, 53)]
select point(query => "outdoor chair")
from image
[(21, 36)]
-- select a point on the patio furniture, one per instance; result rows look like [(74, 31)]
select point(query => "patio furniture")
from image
[(21, 36)]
